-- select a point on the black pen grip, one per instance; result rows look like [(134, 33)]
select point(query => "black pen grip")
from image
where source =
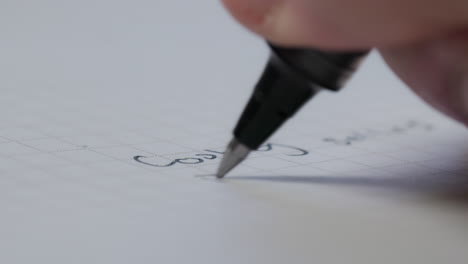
[(328, 69), (292, 76)]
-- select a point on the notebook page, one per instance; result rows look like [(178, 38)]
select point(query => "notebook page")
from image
[(116, 113)]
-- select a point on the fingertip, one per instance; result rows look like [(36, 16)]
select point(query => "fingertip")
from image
[(288, 23), (251, 13)]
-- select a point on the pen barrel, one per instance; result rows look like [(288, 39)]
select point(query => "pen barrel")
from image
[(290, 79), (277, 96)]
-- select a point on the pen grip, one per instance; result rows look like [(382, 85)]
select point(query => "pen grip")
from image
[(328, 69)]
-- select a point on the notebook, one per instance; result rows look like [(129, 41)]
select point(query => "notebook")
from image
[(115, 115)]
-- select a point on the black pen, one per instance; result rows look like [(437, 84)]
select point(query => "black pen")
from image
[(292, 76)]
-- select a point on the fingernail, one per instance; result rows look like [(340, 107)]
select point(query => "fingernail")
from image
[(273, 14)]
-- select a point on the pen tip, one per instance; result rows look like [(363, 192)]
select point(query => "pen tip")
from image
[(227, 164), (219, 174), (234, 155)]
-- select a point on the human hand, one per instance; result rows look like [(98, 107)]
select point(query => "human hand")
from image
[(425, 42)]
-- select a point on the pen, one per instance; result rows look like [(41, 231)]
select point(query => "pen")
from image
[(291, 77)]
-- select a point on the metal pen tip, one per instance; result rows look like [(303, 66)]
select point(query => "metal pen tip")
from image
[(235, 153)]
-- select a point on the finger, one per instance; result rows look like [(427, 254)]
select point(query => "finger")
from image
[(437, 71), (348, 24)]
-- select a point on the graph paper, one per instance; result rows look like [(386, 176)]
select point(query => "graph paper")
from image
[(114, 117)]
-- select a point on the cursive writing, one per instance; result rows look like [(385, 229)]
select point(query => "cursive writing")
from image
[(212, 155), (373, 133)]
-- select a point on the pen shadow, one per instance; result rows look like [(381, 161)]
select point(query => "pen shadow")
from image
[(451, 188), (383, 182)]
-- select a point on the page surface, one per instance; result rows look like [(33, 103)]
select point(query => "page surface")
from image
[(115, 115)]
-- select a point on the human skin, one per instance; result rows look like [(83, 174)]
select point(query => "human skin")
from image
[(425, 42)]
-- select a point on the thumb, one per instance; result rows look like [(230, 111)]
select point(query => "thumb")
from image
[(349, 24), (436, 70)]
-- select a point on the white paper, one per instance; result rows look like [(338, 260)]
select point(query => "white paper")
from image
[(87, 86)]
